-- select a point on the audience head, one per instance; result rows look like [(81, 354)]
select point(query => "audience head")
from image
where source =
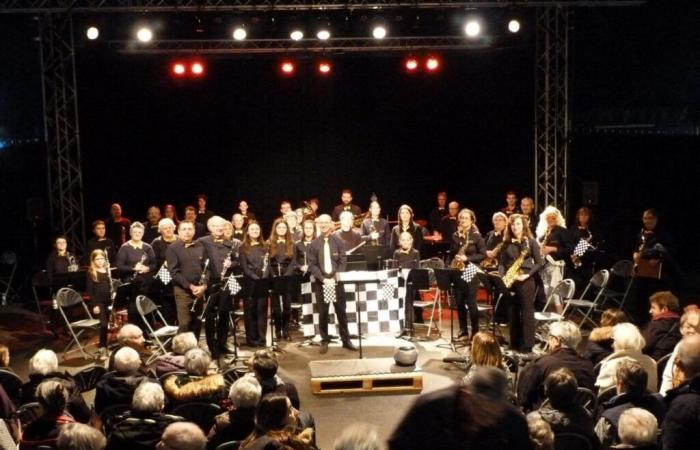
[(184, 342), (540, 431), (663, 302), (78, 436), (182, 436), (274, 412), (52, 396), (688, 359), (485, 350), (564, 334), (690, 321), (4, 356), (626, 336), (560, 388), (197, 362), (265, 364), (245, 392), (631, 378), (358, 436), (148, 398), (127, 361), (44, 362), (637, 427), (489, 383), (612, 316), (131, 336)]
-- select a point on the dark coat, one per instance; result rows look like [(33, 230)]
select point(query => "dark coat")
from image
[(661, 335), (116, 389), (573, 419), (230, 426), (613, 409), (135, 431), (682, 423), (43, 431), (599, 344), (76, 404)]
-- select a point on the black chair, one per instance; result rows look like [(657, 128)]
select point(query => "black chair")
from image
[(26, 414), (203, 414), (584, 398), (571, 441), (12, 384), (161, 379), (661, 366), (86, 379), (110, 416), (233, 445), (606, 394), (234, 373)]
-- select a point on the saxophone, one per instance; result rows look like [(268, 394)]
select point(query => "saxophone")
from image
[(492, 263), (456, 264), (514, 269)]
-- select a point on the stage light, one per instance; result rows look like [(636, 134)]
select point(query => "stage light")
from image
[(379, 32), (296, 35), (411, 64), (513, 26), (197, 68), (287, 67), (472, 28), (92, 33), (239, 34), (324, 68), (432, 64), (144, 34), (179, 69), (323, 34)]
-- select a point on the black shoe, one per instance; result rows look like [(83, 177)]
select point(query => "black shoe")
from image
[(403, 333), (349, 345), (324, 348), (353, 336), (463, 334), (227, 350)]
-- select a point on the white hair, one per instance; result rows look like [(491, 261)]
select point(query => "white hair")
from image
[(52, 396), (214, 221), (290, 214), (43, 362), (148, 397), (542, 224), (245, 392), (499, 214), (78, 436), (165, 223), (345, 214), (626, 336), (136, 225), (637, 427), (359, 436), (567, 332), (127, 360), (127, 332), (197, 361), (185, 435), (183, 342)]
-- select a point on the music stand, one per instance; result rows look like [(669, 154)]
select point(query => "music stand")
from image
[(495, 283), (355, 262), (237, 295), (417, 280), (375, 255), (446, 281)]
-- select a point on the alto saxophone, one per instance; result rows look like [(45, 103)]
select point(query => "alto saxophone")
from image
[(456, 264), (492, 263), (514, 269)]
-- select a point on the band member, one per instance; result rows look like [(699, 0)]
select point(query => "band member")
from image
[(199, 228), (99, 241), (511, 204), (60, 260), (467, 246), (527, 206), (494, 240), (346, 205), (238, 222), (581, 267), (313, 204), (448, 224), (228, 230), (98, 287), (164, 292), (407, 257), (438, 212), (326, 258), (285, 208), (247, 214), (293, 223), (222, 253), (282, 263), (203, 214), (136, 261), (117, 225), (302, 245), (556, 247), (186, 260), (521, 248), (374, 229), (350, 236), (406, 223), (254, 258), (152, 218), (169, 212)]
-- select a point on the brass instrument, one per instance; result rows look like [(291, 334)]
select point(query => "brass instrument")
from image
[(548, 258), (356, 221), (492, 263), (72, 263), (202, 279), (373, 229), (514, 270), (643, 267), (307, 211), (266, 262), (456, 264), (576, 260)]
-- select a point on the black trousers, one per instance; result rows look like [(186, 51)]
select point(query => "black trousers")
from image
[(522, 315), (187, 320), (255, 319), (103, 316), (465, 297), (340, 315), (216, 320)]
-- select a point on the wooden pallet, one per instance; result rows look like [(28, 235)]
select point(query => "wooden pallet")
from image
[(362, 376)]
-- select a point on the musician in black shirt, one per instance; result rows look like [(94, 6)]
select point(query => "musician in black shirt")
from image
[(200, 230), (164, 292), (346, 205), (448, 224), (254, 258), (98, 288), (511, 204), (438, 212), (203, 214), (152, 218), (137, 263), (238, 222), (527, 206), (407, 257), (293, 223), (556, 247), (282, 263), (374, 229), (302, 246), (60, 260), (169, 212), (580, 268), (247, 214), (350, 236), (99, 242), (166, 228), (117, 225), (406, 223)]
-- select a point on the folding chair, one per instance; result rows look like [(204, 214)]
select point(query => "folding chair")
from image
[(41, 288), (233, 445), (145, 307), (234, 373), (436, 303), (12, 384), (25, 415), (86, 379), (202, 414), (621, 276), (565, 291), (7, 259), (584, 307), (69, 298), (661, 366)]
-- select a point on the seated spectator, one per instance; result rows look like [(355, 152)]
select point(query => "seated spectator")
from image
[(541, 434), (76, 436), (44, 366), (130, 336), (4, 357), (485, 351), (627, 345), (663, 332), (638, 429), (690, 325), (7, 406), (682, 423), (143, 425), (630, 384), (239, 422), (564, 337), (562, 412), (475, 416), (600, 340), (275, 426), (196, 385), (264, 364), (358, 436), (182, 436), (52, 395), (174, 361), (117, 388)]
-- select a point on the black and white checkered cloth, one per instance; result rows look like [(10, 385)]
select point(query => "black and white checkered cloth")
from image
[(233, 285), (164, 275), (582, 247), (469, 272), (329, 294)]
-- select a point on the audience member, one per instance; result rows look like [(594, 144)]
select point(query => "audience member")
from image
[(690, 325), (174, 361), (662, 333), (600, 339), (4, 357), (239, 422), (627, 345), (195, 385), (358, 436), (638, 429), (130, 335), (264, 364), (182, 436), (52, 395), (541, 434), (77, 436), (682, 422), (275, 426), (117, 388), (485, 351)]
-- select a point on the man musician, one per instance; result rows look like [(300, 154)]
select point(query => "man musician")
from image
[(349, 236), (346, 205), (326, 257)]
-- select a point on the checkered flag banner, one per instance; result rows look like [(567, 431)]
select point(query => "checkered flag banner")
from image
[(387, 292), (582, 247), (164, 274), (470, 270), (329, 295), (233, 285)]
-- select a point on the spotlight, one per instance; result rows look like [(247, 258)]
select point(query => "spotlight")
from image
[(513, 26), (144, 34), (239, 34), (287, 67), (379, 32), (323, 34), (324, 68), (92, 33), (179, 69), (197, 68), (432, 64), (472, 28), (411, 64), (296, 35)]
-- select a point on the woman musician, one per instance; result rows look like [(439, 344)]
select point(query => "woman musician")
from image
[(238, 222), (406, 223), (494, 241), (407, 257), (521, 254), (581, 267), (60, 260), (254, 258), (282, 263), (374, 229), (467, 246), (98, 287), (308, 228), (555, 245), (137, 262)]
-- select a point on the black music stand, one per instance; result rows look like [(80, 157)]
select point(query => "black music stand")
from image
[(280, 286), (417, 280), (355, 262), (446, 281), (239, 280), (74, 280), (374, 255)]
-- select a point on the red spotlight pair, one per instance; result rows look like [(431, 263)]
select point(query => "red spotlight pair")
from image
[(431, 64), (193, 69), (288, 67)]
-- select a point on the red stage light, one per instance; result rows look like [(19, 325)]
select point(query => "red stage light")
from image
[(432, 64), (411, 64), (179, 69), (287, 67), (324, 68), (197, 68)]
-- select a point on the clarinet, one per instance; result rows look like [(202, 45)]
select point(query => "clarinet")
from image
[(72, 264), (112, 293), (202, 279)]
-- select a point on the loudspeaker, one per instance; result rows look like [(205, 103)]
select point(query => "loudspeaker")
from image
[(590, 193), (35, 209)]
